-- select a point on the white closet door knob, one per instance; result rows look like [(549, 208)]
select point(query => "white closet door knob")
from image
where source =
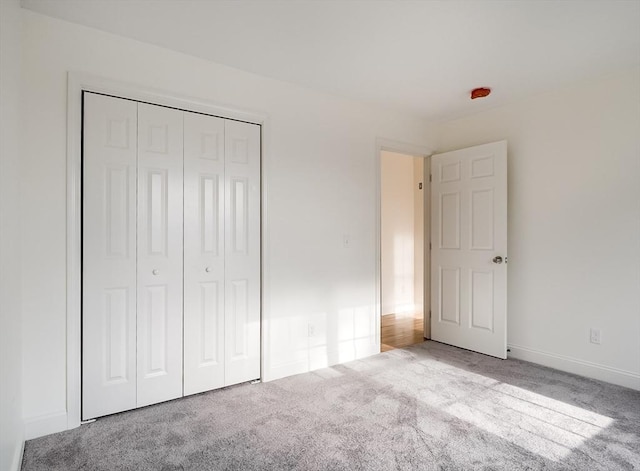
[(208, 269), (155, 271)]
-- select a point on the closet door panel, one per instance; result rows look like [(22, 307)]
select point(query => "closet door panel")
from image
[(160, 259), (109, 256), (242, 252), (204, 263)]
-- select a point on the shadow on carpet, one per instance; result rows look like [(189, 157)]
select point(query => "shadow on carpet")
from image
[(427, 407)]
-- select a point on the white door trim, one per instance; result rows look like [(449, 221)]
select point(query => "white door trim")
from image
[(76, 84), (401, 148)]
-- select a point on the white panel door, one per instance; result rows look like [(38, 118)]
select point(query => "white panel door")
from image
[(204, 264), (469, 248), (242, 252), (108, 256), (160, 259)]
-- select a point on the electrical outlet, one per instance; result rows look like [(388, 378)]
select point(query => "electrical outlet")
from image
[(312, 330), (595, 336)]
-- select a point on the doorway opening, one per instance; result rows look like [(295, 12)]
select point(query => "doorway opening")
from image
[(403, 239)]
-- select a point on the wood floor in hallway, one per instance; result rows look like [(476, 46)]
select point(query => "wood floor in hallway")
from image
[(397, 331)]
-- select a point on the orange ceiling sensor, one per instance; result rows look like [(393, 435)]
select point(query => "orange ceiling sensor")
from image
[(480, 93)]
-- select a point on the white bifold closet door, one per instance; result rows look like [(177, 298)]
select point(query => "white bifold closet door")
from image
[(222, 252), (242, 252), (171, 241), (203, 253), (132, 255), (109, 257), (160, 200)]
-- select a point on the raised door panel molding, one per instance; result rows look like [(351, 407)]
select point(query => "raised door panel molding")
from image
[(119, 132), (153, 343), (239, 214), (239, 320), (449, 215), (239, 149), (449, 309), (482, 167), (209, 223), (156, 199), (211, 322), (118, 211), (481, 303), (117, 368), (482, 216), (449, 172)]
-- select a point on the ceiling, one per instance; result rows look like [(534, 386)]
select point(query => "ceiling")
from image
[(422, 57)]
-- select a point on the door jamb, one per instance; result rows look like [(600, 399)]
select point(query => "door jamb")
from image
[(390, 145), (78, 82), (426, 266)]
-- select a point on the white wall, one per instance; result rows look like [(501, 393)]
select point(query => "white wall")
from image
[(574, 223), (319, 169), (397, 233), (11, 424)]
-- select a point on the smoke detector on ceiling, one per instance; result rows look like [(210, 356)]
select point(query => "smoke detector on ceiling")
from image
[(480, 92)]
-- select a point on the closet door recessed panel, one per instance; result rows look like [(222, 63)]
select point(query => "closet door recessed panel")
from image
[(109, 256), (242, 252), (204, 254), (160, 259)]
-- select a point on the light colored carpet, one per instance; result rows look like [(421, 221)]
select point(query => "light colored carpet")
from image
[(427, 407)]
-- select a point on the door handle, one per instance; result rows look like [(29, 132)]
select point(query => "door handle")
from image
[(497, 260)]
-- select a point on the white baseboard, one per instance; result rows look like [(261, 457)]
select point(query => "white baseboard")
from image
[(576, 366), (35, 427), (318, 357), (273, 372), (16, 464)]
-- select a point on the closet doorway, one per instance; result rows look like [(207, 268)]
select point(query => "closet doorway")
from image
[(170, 253)]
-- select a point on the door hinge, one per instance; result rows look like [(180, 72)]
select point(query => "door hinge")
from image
[(420, 186), (429, 245), (430, 177)]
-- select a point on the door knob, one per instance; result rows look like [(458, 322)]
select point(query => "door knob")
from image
[(497, 259), (208, 269), (155, 271)]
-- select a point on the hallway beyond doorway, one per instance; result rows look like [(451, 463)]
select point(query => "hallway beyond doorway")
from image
[(400, 330)]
